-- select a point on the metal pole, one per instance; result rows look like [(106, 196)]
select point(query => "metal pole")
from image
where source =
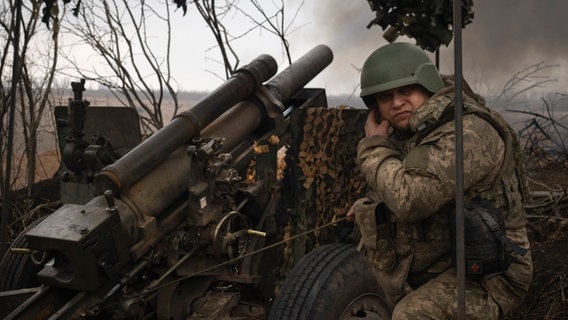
[(10, 135), (460, 248)]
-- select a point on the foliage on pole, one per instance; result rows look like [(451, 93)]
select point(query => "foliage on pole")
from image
[(51, 10), (427, 21)]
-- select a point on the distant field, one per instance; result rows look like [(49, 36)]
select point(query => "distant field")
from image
[(48, 162)]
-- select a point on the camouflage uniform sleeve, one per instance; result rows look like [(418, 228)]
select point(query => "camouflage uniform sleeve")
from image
[(419, 184)]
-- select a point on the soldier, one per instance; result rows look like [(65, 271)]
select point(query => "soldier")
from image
[(407, 157)]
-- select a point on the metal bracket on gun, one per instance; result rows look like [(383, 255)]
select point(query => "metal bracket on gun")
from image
[(264, 92)]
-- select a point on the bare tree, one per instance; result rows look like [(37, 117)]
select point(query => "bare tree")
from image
[(542, 131), (268, 16), (7, 20), (37, 77), (544, 135), (38, 63), (274, 22), (213, 14), (523, 81), (117, 32)]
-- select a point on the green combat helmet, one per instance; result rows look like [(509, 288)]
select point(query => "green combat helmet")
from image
[(396, 65)]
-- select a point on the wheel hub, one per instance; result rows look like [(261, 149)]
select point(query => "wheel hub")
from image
[(367, 306)]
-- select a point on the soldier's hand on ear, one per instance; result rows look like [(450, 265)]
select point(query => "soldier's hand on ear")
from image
[(372, 128)]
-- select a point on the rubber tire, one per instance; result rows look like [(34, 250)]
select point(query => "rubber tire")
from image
[(324, 283), (17, 270)]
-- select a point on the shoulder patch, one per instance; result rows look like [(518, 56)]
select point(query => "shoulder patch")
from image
[(429, 114)]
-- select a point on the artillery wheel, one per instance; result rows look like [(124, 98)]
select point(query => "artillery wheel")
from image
[(17, 271), (331, 282)]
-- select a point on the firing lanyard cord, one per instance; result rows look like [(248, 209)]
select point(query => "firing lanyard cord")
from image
[(276, 244)]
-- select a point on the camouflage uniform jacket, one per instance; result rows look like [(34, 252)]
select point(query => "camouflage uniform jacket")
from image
[(414, 178)]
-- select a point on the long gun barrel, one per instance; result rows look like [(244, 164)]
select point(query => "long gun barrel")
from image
[(185, 126)]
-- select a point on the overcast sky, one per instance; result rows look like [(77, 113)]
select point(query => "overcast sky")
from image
[(505, 37)]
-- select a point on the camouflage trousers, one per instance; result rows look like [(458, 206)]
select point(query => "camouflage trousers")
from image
[(437, 299)]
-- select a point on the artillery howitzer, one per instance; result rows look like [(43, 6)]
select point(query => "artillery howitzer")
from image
[(169, 229)]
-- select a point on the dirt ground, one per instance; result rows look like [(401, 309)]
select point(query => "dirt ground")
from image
[(547, 225), (548, 233)]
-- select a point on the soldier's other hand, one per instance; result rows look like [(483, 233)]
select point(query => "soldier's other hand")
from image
[(351, 215), (343, 227)]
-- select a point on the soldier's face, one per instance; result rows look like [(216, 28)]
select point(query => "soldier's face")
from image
[(397, 105)]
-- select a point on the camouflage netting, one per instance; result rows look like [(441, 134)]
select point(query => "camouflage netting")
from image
[(321, 179)]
